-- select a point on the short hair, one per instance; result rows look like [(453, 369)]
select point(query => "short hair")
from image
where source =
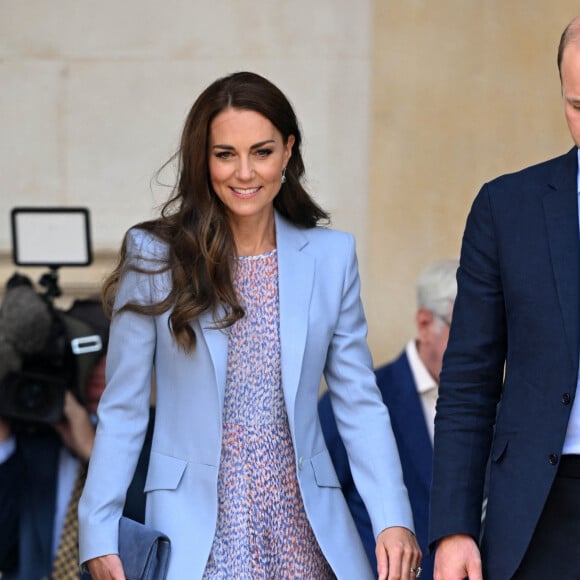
[(437, 286), (571, 34)]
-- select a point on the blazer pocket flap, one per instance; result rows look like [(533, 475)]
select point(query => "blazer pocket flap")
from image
[(324, 472), (499, 448), (164, 471)]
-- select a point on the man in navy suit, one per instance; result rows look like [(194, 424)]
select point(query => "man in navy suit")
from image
[(38, 466), (508, 392), (409, 389)]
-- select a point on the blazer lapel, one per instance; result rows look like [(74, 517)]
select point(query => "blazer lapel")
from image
[(217, 345), (416, 429), (295, 281), (408, 419), (41, 456), (561, 209)]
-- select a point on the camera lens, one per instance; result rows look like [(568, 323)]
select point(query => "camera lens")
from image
[(32, 396)]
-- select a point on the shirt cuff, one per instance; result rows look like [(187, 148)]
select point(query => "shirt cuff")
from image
[(7, 448)]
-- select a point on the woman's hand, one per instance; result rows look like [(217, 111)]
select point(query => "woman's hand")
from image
[(398, 554), (107, 567)]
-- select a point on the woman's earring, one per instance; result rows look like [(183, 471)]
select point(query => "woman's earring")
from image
[(284, 175)]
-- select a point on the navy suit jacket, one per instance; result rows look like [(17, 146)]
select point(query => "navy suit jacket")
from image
[(27, 504), (399, 392), (517, 308)]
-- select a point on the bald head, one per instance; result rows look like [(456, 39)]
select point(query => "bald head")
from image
[(571, 35)]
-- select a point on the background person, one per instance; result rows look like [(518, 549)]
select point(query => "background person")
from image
[(38, 468), (241, 303), (409, 386), (517, 309)]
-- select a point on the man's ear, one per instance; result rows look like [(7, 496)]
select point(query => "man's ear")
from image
[(423, 319)]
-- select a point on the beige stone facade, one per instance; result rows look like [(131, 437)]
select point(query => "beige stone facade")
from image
[(406, 109)]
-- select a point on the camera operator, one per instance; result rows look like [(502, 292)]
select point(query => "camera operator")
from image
[(39, 468)]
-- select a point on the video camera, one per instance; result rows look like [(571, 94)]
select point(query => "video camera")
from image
[(44, 350)]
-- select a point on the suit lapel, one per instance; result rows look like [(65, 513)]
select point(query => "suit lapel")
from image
[(407, 411), (217, 345), (561, 210), (295, 281), (41, 456)]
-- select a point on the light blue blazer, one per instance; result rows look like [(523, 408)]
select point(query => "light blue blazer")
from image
[(322, 333)]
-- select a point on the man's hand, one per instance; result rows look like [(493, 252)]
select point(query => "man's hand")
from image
[(76, 430), (107, 567), (457, 557), (5, 431), (397, 554)]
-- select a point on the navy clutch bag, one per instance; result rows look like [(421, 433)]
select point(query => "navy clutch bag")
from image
[(144, 551)]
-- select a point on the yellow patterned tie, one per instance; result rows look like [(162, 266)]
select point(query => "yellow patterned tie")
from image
[(66, 561)]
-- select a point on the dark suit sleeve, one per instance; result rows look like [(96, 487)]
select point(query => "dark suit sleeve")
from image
[(471, 381), (10, 485)]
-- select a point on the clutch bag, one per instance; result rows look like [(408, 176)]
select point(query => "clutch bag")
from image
[(144, 552)]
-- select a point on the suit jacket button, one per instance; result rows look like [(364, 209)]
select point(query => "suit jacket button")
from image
[(566, 398), (553, 459)]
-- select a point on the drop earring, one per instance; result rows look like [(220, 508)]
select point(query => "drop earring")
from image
[(284, 175)]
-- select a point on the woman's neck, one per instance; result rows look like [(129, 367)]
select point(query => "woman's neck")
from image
[(254, 237)]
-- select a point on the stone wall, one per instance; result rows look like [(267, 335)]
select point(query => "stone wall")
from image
[(406, 109)]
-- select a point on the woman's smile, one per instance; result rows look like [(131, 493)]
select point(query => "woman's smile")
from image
[(245, 191)]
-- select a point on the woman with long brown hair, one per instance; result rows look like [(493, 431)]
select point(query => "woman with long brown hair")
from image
[(241, 302)]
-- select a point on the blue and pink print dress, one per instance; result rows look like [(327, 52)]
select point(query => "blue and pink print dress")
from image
[(262, 529)]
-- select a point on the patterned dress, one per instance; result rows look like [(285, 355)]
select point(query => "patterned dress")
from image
[(262, 529)]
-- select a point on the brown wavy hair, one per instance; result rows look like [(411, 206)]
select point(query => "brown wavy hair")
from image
[(193, 222)]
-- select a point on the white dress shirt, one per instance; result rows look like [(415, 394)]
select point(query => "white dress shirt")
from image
[(426, 385), (572, 441)]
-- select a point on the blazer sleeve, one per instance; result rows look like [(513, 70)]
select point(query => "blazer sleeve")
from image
[(124, 407), (361, 416), (471, 380)]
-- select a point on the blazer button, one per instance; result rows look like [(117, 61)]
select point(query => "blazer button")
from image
[(553, 459), (566, 398)]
